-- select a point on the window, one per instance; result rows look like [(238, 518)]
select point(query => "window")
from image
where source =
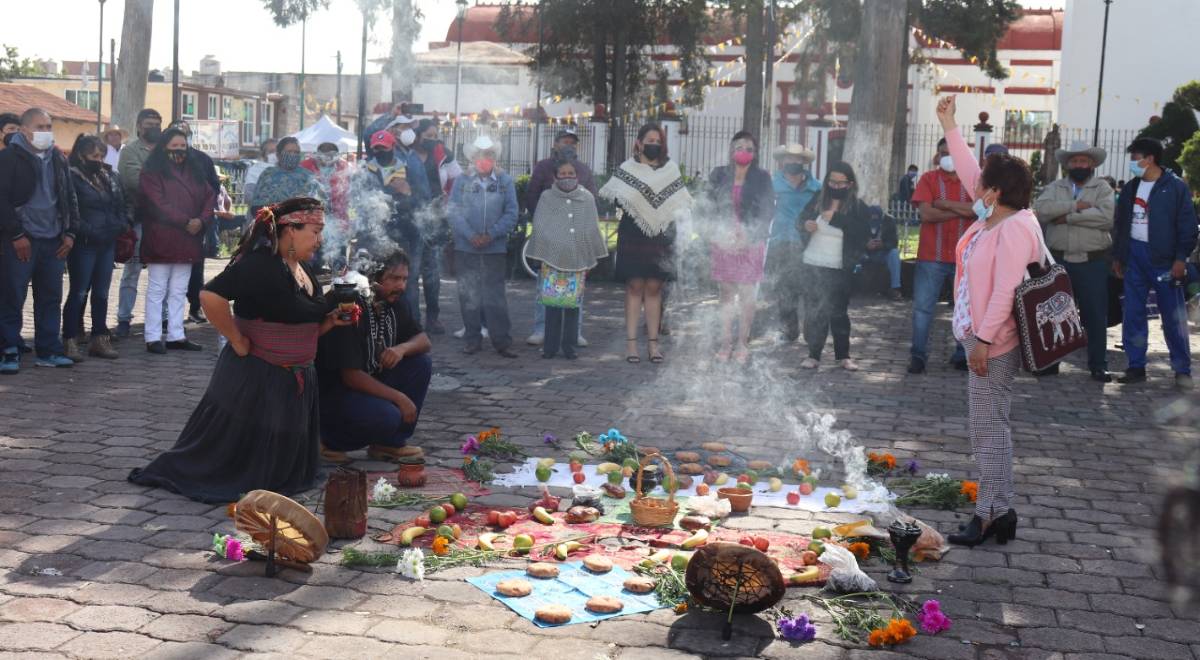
[(266, 116), (187, 104), (248, 122), (226, 108), (84, 98), (212, 106), (1021, 126)]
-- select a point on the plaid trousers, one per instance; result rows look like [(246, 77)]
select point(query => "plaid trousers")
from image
[(989, 399)]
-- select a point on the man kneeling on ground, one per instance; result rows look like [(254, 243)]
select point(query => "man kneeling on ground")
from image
[(374, 374)]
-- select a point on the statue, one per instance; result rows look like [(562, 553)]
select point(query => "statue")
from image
[(1050, 146)]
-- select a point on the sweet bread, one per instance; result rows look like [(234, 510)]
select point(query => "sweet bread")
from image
[(639, 585), (604, 604), (553, 614), (542, 570), (687, 456), (759, 466), (690, 468), (712, 446), (719, 461), (597, 563), (514, 588)]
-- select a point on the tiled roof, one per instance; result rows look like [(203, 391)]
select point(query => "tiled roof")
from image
[(19, 98)]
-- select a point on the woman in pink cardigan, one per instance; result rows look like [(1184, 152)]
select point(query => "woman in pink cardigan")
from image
[(991, 261)]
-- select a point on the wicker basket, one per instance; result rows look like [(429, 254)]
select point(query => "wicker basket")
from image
[(654, 511)]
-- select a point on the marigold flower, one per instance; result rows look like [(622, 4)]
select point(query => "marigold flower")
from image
[(889, 460), (876, 637), (441, 546), (970, 489), (681, 608), (899, 631), (800, 466), (860, 550)]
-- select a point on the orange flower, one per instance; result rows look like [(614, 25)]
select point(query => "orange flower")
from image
[(876, 637), (860, 550), (873, 457), (970, 489), (467, 460), (488, 434), (441, 546), (890, 461), (899, 631), (800, 466)]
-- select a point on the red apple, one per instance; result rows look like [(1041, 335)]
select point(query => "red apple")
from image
[(809, 558), (421, 520), (449, 509), (702, 490), (806, 488), (793, 498), (493, 518), (578, 477), (761, 543), (743, 479), (747, 540), (576, 466)]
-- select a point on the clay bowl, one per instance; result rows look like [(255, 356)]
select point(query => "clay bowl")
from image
[(739, 498)]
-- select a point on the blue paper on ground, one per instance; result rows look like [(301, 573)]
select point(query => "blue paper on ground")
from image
[(572, 588)]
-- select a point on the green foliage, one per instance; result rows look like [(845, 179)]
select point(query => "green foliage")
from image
[(1189, 160), (1177, 125), (974, 26), (290, 12), (12, 65), (831, 46)]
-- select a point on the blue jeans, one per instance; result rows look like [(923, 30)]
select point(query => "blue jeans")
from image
[(45, 271), (91, 269), (892, 259), (129, 282), (929, 278), (1089, 281), (352, 420), (1140, 277), (539, 318), (412, 293)]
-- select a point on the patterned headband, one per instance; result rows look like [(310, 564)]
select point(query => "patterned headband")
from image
[(306, 217)]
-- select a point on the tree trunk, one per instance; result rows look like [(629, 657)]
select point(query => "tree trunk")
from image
[(752, 108), (600, 70), (405, 28), (134, 64), (900, 134), (616, 141), (873, 104)]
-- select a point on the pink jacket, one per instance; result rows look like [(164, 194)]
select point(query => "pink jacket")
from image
[(998, 262)]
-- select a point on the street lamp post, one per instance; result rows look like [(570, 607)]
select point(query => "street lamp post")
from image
[(362, 84), (175, 68), (303, 48), (100, 72), (462, 13), (1100, 86), (339, 88)]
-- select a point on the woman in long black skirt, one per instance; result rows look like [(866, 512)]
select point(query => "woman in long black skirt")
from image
[(257, 425)]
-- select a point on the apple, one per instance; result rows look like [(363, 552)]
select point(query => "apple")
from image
[(743, 479), (579, 477), (576, 466), (832, 500), (493, 518), (761, 543), (747, 540), (809, 558), (806, 488), (422, 521), (793, 498), (449, 509), (702, 490), (849, 491)]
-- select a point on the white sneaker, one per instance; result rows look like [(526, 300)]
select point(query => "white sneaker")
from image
[(849, 365), (484, 332), (536, 339), (460, 333), (809, 363)]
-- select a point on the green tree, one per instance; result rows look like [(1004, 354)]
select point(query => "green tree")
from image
[(290, 12), (12, 65), (1177, 124)]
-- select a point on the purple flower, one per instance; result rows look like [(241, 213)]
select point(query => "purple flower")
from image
[(233, 550), (912, 467), (470, 446), (549, 439), (797, 629), (933, 621)]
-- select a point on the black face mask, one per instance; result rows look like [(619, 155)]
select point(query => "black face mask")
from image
[(794, 169), (652, 151), (428, 146), (152, 134), (92, 166), (177, 156), (838, 193), (384, 156), (1080, 174)]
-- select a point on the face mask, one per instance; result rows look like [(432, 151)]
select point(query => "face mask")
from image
[(42, 140), (912, 175), (982, 211), (91, 166), (1136, 169), (484, 165), (289, 161), (177, 156), (152, 134), (383, 156), (743, 158), (567, 184), (794, 169), (838, 193), (946, 163), (566, 152), (652, 151), (326, 158), (272, 159), (1080, 174), (428, 146), (407, 137)]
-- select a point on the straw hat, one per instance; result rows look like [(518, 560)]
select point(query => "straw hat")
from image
[(115, 129), (794, 151), (1078, 148), (482, 143)]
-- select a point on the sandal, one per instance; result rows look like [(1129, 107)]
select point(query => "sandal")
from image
[(655, 356), (632, 358), (723, 354), (742, 354)]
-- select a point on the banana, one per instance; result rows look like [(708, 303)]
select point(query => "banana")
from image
[(806, 574), (541, 515), (697, 539), (486, 540), (546, 462), (408, 535), (605, 468), (563, 549), (661, 556)]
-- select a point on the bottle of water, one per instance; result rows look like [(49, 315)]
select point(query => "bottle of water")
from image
[(1166, 277)]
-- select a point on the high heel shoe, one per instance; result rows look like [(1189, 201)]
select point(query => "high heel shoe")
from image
[(1004, 528)]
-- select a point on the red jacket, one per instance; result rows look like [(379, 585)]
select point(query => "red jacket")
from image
[(169, 200), (338, 185)]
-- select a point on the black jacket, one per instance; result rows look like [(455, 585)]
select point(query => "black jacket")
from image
[(102, 211), (758, 198), (883, 227), (18, 181), (855, 222)]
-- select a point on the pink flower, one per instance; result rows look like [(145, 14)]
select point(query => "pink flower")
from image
[(234, 551), (470, 446), (933, 621)]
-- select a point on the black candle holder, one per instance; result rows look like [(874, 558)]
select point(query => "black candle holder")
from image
[(904, 536), (343, 297)]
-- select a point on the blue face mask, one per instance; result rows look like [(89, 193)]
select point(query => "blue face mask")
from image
[(982, 211), (1136, 169)]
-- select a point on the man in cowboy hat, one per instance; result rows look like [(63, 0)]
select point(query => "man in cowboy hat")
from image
[(1077, 213), (482, 211), (794, 187), (113, 138)]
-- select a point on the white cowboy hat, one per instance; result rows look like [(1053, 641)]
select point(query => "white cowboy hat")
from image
[(796, 151), (399, 121), (1079, 147), (482, 143)]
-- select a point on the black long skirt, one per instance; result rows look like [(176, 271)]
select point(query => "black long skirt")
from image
[(253, 429)]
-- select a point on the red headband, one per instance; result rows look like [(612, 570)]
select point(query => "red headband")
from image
[(267, 215)]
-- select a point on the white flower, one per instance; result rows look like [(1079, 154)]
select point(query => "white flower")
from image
[(412, 564), (934, 476), (383, 491)]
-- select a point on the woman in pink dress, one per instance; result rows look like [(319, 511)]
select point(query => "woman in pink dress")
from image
[(744, 203)]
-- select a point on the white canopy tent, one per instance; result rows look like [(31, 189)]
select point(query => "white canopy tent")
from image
[(324, 130)]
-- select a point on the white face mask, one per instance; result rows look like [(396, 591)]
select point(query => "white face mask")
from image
[(42, 140), (272, 158), (946, 163), (408, 137)]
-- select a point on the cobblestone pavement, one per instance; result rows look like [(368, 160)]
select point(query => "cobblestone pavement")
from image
[(1082, 581)]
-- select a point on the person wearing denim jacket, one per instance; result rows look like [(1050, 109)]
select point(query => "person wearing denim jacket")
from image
[(482, 211)]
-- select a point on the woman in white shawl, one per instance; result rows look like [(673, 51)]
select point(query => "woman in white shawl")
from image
[(650, 194), (567, 240)]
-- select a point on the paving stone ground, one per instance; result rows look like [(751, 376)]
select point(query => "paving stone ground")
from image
[(132, 575)]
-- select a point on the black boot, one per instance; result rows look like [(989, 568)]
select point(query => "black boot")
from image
[(1003, 528), (553, 338)]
